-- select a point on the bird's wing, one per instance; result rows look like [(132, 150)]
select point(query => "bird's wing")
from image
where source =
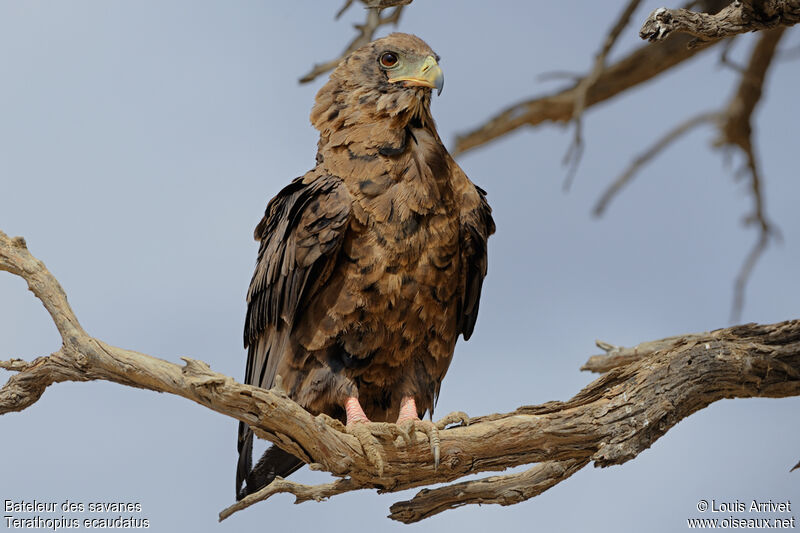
[(476, 226), (301, 233)]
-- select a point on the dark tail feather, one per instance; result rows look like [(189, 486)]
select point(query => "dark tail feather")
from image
[(245, 465), (274, 462)]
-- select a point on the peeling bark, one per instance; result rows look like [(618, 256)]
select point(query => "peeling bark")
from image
[(609, 422), (738, 17)]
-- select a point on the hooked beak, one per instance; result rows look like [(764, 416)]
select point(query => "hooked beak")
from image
[(428, 74)]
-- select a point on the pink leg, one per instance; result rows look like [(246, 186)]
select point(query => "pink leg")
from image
[(354, 411), (408, 409), (408, 416)]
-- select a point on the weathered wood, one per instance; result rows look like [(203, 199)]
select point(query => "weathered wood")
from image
[(738, 17), (609, 422)]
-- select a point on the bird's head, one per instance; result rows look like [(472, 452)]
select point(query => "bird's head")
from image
[(392, 77), (404, 61)]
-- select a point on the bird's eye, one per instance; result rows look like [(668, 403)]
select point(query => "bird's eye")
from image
[(389, 59)]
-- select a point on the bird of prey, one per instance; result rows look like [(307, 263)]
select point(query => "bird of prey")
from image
[(371, 264)]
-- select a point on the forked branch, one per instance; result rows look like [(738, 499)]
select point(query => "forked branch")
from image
[(609, 422)]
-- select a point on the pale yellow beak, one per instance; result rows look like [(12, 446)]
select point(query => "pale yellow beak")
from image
[(426, 74)]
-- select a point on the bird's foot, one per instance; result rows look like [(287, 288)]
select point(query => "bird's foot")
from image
[(456, 416), (408, 421), (368, 432), (369, 444), (410, 426), (369, 435)]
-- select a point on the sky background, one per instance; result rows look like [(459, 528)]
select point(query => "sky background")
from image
[(140, 143)]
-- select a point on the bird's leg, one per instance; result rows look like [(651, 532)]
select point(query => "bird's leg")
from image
[(408, 409), (409, 421), (367, 432), (354, 411)]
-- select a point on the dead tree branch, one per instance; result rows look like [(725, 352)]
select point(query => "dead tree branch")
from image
[(639, 66), (503, 490), (721, 19), (734, 124), (575, 151), (609, 422), (740, 16), (366, 31), (736, 131), (640, 161)]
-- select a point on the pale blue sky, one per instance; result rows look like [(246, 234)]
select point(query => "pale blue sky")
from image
[(141, 141)]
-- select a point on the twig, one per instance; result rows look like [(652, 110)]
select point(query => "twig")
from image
[(617, 356), (638, 67), (724, 60), (14, 365), (382, 4), (366, 31), (575, 151), (302, 493), (736, 131), (643, 158)]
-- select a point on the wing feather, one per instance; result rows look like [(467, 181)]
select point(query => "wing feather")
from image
[(301, 233), (476, 226)]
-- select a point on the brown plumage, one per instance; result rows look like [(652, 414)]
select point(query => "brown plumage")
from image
[(371, 264)]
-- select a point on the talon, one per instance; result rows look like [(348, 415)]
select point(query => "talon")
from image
[(456, 416), (399, 431), (432, 432), (409, 429)]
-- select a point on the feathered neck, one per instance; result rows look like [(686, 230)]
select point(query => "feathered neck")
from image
[(339, 106)]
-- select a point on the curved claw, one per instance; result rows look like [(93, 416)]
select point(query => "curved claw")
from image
[(456, 416), (412, 425), (405, 433), (432, 432), (408, 429)]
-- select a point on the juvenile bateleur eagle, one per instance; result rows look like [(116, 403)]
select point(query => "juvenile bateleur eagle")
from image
[(371, 264)]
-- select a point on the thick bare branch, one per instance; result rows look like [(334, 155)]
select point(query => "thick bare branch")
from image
[(609, 422), (503, 490), (617, 356), (366, 31), (740, 16)]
